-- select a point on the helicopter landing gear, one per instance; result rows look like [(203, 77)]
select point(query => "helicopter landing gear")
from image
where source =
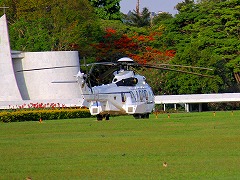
[(107, 116), (137, 116), (101, 117), (146, 116), (141, 116)]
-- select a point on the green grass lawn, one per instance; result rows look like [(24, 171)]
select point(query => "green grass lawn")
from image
[(194, 145)]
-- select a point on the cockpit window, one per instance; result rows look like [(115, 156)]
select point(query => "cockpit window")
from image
[(127, 82)]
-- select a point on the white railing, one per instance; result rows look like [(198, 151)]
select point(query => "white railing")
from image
[(189, 99)]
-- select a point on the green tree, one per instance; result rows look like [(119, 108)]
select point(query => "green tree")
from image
[(161, 17), (139, 19), (205, 34), (186, 5), (30, 36), (107, 9), (50, 25)]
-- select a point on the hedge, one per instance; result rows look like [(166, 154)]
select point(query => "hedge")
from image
[(44, 114)]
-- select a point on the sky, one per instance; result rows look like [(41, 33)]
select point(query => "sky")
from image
[(152, 5)]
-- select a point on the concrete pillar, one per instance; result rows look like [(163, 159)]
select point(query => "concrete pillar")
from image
[(187, 107), (175, 107)]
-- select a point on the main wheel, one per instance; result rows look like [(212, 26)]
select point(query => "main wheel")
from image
[(137, 116), (145, 116), (141, 116), (107, 116), (99, 117)]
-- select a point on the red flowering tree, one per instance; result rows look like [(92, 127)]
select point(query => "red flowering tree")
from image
[(140, 48)]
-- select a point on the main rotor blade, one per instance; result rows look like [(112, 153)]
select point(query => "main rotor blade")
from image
[(176, 70), (101, 63), (59, 67), (46, 68), (174, 65)]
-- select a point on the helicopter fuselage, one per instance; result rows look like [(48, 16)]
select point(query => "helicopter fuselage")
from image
[(127, 94)]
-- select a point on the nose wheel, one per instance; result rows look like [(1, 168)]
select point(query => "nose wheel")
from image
[(100, 117)]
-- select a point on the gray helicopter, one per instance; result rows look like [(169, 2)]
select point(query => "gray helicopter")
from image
[(127, 93)]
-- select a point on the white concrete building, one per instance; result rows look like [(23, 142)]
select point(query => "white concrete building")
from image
[(39, 84), (17, 86)]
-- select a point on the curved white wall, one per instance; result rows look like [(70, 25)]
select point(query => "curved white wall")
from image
[(38, 84), (8, 87)]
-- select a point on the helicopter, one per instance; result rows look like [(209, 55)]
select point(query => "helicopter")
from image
[(127, 93), (124, 92)]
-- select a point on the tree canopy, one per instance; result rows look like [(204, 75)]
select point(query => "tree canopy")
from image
[(205, 33), (139, 19), (107, 9), (53, 25)]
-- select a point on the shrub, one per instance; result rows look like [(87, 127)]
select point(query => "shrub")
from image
[(44, 114)]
